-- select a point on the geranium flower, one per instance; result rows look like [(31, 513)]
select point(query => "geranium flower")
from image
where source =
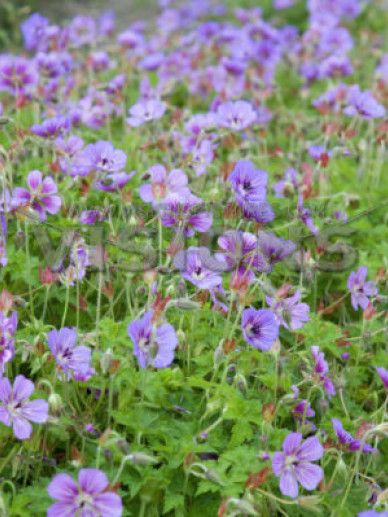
[(72, 360), (90, 497), (154, 344), (347, 440), (260, 328), (16, 410), (40, 196), (294, 465), (360, 290)]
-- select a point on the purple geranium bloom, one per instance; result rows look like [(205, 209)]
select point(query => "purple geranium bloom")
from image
[(40, 197), (198, 267), (82, 30), (347, 440), (236, 115), (248, 183), (289, 312), (72, 360), (18, 76), (177, 212), (66, 151), (33, 30), (17, 410), (90, 497), (288, 185), (373, 513), (153, 343), (274, 249), (360, 290), (113, 181), (8, 326), (383, 373), (294, 466), (363, 104), (91, 216), (320, 369), (303, 409), (146, 111), (260, 328), (240, 254), (51, 127), (305, 215), (103, 157), (162, 184)]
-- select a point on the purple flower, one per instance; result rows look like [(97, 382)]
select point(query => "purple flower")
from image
[(383, 373), (360, 290), (320, 369), (289, 312), (52, 127), (40, 196), (303, 409), (82, 31), (240, 254), (305, 216), (294, 466), (260, 328), (248, 183), (18, 76), (288, 185), (90, 497), (8, 326), (90, 216), (102, 157), (162, 184), (33, 30), (199, 268), (72, 360), (363, 104), (177, 212), (274, 249), (16, 410), (347, 439), (373, 513), (113, 181), (67, 150), (203, 155), (236, 115), (153, 343), (145, 111)]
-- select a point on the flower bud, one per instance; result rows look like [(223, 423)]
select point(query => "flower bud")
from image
[(140, 458), (55, 403), (106, 361)]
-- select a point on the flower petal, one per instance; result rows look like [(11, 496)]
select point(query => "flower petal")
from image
[(36, 411), (278, 460), (22, 388), (92, 481), (288, 484), (291, 442), (109, 503), (22, 428), (62, 510), (63, 488), (308, 475), (310, 450)]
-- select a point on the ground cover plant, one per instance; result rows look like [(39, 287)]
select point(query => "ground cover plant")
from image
[(193, 263)]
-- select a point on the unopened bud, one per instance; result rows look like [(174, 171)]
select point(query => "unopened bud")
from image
[(140, 458), (106, 361), (311, 502), (55, 403)]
